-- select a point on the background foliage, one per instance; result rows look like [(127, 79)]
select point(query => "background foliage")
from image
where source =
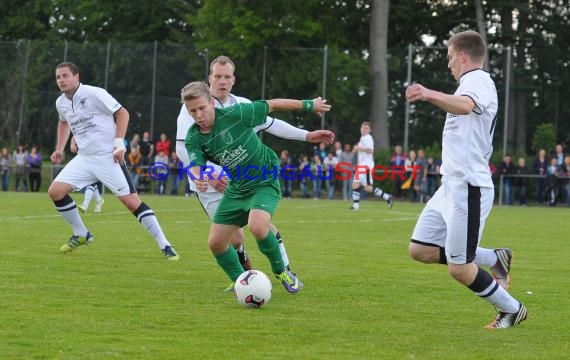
[(290, 35)]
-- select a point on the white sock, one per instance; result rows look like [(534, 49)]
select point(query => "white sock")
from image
[(485, 257), (67, 208), (355, 198), (379, 193), (282, 249), (97, 196), (146, 217), (500, 298), (89, 192)]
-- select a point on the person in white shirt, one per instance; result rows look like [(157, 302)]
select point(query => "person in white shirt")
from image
[(363, 171), (451, 224), (222, 80), (99, 124)]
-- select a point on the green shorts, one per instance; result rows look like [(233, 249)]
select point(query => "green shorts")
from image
[(234, 208)]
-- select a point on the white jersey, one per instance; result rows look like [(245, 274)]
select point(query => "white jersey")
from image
[(365, 158), (272, 125), (468, 139), (90, 116)]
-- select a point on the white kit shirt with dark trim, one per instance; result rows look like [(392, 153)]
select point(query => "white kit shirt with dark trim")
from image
[(90, 116), (468, 139), (366, 158)]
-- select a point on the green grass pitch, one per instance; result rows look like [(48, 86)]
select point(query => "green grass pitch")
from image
[(363, 297)]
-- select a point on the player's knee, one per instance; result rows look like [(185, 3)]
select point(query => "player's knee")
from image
[(56, 191), (259, 230), (421, 253)]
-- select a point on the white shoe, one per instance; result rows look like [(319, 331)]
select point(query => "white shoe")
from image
[(98, 206), (82, 208)]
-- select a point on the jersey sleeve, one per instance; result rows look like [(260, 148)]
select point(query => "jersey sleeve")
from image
[(254, 114), (193, 147), (481, 92), (105, 102)]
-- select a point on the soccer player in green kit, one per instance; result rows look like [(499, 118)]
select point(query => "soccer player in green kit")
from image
[(226, 137)]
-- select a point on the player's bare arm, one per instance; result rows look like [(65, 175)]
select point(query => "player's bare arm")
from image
[(459, 105), (121, 122), (63, 132), (320, 105)]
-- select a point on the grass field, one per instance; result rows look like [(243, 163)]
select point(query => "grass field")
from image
[(363, 297)]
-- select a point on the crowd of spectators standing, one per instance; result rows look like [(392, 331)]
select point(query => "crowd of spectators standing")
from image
[(546, 177)]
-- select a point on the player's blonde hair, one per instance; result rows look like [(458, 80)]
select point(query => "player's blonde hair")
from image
[(195, 90), (471, 43), (222, 60)]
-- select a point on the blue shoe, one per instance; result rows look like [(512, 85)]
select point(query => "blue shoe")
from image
[(289, 281), (170, 254), (75, 241)]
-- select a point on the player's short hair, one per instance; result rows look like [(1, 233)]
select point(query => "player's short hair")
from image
[(366, 123), (469, 42), (222, 60), (195, 90), (71, 66)]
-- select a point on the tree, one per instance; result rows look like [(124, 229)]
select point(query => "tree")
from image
[(379, 67)]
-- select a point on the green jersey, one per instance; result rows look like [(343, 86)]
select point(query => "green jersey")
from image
[(234, 145)]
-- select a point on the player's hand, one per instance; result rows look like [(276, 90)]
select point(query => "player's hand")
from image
[(416, 92), (57, 157), (119, 156), (219, 183), (320, 136), (202, 185), (320, 106)]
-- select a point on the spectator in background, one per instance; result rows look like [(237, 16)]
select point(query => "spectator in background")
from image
[(430, 180), (551, 181), (539, 167), (329, 166), (337, 150), (418, 182), (348, 158), (4, 168), (321, 151), (174, 165), (559, 155), (20, 164), (409, 164), (146, 149), (34, 161), (304, 169), (566, 180), (287, 180), (316, 168), (163, 145), (134, 161), (521, 182), (507, 169), (398, 159), (135, 142), (161, 157)]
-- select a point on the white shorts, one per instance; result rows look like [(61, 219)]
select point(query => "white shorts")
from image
[(364, 179), (84, 170), (210, 201), (454, 218)]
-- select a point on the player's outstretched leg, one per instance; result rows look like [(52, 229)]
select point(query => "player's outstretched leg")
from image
[(146, 217), (384, 195)]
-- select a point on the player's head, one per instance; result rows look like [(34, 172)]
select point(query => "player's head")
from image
[(67, 77), (365, 128), (198, 100), (465, 50), (221, 77)]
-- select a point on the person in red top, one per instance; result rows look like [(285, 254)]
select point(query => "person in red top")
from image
[(163, 145)]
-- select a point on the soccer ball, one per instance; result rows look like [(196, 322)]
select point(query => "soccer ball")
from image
[(253, 289)]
